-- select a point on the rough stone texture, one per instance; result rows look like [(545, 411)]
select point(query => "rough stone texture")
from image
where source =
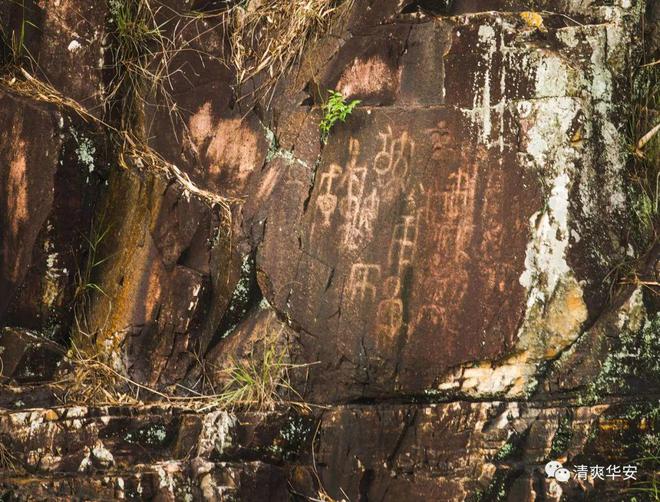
[(439, 269), (65, 38), (50, 175), (167, 247), (450, 226), (28, 358), (144, 453), (452, 451)]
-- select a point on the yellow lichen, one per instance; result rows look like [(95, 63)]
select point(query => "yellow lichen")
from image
[(533, 20)]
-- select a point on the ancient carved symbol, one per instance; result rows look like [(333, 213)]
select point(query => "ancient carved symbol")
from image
[(460, 194), (395, 155), (402, 247), (362, 281), (358, 212), (389, 317), (344, 189), (431, 209), (440, 139), (428, 317), (368, 213), (327, 200)]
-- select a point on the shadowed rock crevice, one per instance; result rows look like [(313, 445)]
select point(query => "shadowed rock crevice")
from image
[(429, 7), (245, 297)]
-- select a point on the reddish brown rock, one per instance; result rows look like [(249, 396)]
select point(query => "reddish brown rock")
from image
[(64, 44), (431, 235), (169, 247), (50, 174), (464, 451)]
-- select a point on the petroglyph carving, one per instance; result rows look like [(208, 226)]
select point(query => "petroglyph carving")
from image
[(394, 157), (345, 190), (362, 281), (461, 193), (327, 200), (389, 316), (448, 214), (431, 211), (358, 212), (404, 240), (441, 139)]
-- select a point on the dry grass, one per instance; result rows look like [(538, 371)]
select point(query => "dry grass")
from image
[(139, 59), (22, 83), (132, 151), (261, 384), (268, 36), (8, 461), (265, 38), (321, 494), (145, 37), (93, 382)]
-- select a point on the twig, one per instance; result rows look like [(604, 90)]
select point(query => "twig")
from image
[(648, 137)]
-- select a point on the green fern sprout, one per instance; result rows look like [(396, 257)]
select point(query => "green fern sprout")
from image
[(334, 109)]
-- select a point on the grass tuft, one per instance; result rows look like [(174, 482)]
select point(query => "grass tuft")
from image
[(8, 461), (644, 146), (13, 43), (648, 489), (259, 383), (85, 287), (140, 56)]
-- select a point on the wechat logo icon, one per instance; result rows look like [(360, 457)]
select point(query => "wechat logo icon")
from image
[(554, 469)]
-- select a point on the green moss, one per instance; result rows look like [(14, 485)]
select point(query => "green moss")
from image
[(633, 365), (505, 452), (562, 437), (513, 447)]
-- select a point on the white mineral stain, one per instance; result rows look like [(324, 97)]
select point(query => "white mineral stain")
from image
[(481, 104), (74, 46)]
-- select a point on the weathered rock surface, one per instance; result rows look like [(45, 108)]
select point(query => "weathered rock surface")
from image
[(28, 358), (65, 39), (51, 172), (451, 451), (464, 226), (439, 272)]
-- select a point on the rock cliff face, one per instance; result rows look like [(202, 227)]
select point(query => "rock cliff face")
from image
[(441, 276)]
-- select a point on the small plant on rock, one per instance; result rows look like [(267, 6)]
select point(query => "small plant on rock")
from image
[(259, 382), (335, 109), (140, 56), (13, 47)]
